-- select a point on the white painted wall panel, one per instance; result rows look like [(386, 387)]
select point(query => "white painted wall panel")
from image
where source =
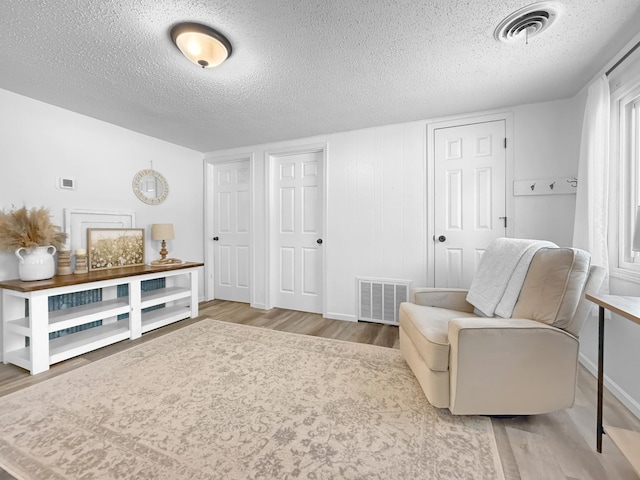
[(391, 217), (259, 228), (340, 244), (376, 218), (559, 123), (365, 212), (413, 242), (380, 143)]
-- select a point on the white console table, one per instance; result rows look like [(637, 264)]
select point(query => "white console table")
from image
[(180, 299)]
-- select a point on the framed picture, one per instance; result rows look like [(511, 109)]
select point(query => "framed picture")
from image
[(78, 220), (115, 247)]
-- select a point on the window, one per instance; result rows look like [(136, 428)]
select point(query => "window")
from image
[(625, 122)]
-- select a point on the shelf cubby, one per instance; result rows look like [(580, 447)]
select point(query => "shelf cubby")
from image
[(82, 314)]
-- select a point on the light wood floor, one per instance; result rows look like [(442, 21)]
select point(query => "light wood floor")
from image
[(556, 446)]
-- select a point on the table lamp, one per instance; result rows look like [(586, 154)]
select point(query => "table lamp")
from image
[(163, 232)]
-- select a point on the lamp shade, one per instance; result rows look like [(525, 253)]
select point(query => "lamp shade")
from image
[(201, 44), (636, 232), (162, 231)]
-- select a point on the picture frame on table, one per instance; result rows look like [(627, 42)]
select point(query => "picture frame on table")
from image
[(115, 248)]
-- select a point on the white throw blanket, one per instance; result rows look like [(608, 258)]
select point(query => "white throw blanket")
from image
[(503, 267)]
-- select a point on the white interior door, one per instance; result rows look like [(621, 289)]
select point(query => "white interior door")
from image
[(470, 196), (231, 231), (298, 223)]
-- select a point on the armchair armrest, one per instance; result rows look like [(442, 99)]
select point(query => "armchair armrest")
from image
[(457, 325), (510, 366), (450, 298)]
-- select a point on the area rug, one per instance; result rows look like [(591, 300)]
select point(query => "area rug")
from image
[(217, 400)]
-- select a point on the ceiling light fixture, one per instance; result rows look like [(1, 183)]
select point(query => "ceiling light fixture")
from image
[(528, 22), (201, 44)]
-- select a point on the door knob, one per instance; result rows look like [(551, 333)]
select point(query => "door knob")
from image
[(442, 238), (319, 241), (215, 239)]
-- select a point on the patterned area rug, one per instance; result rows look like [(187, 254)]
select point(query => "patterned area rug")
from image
[(217, 400)]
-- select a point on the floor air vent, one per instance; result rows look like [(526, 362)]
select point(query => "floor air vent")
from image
[(380, 299)]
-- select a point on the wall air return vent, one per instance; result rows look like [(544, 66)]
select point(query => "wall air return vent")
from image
[(528, 22), (379, 299)]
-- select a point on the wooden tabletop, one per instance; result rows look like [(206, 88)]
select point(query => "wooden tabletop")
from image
[(628, 307), (95, 276)]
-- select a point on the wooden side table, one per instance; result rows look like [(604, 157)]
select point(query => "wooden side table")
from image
[(627, 441)]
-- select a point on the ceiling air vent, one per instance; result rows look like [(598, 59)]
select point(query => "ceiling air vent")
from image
[(528, 22)]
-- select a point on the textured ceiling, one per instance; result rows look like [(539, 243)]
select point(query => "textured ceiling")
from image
[(299, 67)]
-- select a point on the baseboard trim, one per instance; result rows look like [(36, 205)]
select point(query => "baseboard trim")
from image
[(259, 306), (613, 387), (340, 316)]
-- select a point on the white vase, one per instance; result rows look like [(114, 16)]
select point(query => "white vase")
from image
[(36, 263)]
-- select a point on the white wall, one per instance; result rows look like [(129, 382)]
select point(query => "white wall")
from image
[(547, 145), (377, 200), (376, 208), (41, 142)]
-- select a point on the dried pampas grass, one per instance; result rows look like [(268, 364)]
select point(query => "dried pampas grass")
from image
[(29, 228)]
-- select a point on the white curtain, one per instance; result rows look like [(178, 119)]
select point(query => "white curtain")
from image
[(592, 201)]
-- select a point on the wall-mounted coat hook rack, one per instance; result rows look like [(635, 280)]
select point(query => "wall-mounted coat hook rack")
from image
[(546, 186)]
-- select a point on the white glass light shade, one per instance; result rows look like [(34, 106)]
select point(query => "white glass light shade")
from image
[(636, 232), (200, 44), (162, 231)]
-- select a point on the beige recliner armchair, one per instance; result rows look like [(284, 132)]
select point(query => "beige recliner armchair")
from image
[(526, 364)]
